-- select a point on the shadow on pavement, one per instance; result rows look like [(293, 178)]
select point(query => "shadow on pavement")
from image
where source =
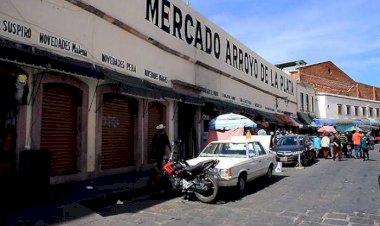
[(231, 195), (122, 203)]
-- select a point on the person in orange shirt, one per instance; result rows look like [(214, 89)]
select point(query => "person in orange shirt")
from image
[(356, 139)]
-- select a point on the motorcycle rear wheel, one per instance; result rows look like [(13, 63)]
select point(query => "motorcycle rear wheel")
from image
[(209, 195)]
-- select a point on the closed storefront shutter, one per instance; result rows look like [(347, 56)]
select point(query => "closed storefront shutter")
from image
[(59, 125), (117, 132), (155, 117)]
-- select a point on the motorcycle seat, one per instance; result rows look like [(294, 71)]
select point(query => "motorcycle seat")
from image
[(198, 167)]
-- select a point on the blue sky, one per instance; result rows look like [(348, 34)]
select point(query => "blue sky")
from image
[(346, 32)]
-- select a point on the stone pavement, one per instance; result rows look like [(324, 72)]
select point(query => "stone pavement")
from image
[(326, 193), (61, 202)]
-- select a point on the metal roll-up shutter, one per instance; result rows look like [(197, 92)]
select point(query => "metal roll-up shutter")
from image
[(155, 117), (117, 132), (59, 127)]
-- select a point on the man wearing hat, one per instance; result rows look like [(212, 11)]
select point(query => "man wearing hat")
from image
[(159, 143)]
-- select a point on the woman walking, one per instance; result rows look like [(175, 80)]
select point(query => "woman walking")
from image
[(325, 143)]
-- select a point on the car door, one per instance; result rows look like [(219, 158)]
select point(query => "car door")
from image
[(253, 166), (262, 158)]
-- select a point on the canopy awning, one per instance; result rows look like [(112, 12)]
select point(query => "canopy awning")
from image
[(229, 107), (142, 88), (345, 122), (306, 119), (345, 127), (22, 54), (297, 123), (368, 127), (373, 122), (325, 122), (358, 122), (285, 119), (271, 118)]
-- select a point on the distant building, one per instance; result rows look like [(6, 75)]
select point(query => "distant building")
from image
[(341, 101)]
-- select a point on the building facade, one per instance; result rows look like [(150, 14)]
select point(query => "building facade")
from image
[(341, 101), (90, 80)]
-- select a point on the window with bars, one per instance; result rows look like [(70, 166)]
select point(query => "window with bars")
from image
[(356, 110), (302, 102), (348, 109), (370, 112), (339, 109)]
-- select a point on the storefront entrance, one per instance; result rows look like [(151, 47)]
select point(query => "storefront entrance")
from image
[(186, 130), (8, 119), (59, 127), (118, 131), (155, 117)]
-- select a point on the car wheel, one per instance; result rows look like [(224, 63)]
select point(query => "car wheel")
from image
[(241, 184), (270, 173)]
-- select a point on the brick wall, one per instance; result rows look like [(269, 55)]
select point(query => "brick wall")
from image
[(326, 77)]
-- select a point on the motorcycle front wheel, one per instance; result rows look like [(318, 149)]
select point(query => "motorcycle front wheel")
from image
[(210, 194)]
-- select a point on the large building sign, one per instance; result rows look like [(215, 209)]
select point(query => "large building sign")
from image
[(204, 54), (171, 20)]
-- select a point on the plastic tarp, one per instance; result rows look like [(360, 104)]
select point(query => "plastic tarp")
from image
[(345, 127), (230, 121), (307, 119), (214, 135), (372, 122), (325, 122)]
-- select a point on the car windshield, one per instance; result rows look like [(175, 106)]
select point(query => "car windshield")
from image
[(290, 141), (238, 150)]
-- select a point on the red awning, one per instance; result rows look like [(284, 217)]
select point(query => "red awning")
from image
[(286, 120)]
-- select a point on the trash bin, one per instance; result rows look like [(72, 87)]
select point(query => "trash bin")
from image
[(34, 175)]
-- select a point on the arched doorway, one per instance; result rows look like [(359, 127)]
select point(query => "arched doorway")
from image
[(118, 124), (60, 126)]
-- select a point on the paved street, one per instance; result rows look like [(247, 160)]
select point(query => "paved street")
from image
[(327, 193)]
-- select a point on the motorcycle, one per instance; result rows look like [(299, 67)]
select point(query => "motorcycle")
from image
[(200, 179)]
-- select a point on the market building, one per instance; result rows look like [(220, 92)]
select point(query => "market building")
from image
[(90, 80), (341, 101)]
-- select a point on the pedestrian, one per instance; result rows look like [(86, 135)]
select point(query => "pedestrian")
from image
[(337, 152), (262, 131), (332, 137), (343, 143), (325, 144), (159, 143), (317, 145), (364, 146), (248, 134), (272, 139), (356, 139), (277, 136)]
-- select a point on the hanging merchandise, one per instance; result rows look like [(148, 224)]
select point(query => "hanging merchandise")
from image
[(20, 84)]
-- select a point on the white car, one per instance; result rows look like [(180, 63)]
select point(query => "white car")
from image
[(240, 160)]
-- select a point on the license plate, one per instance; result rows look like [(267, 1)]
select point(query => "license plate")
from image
[(283, 159)]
